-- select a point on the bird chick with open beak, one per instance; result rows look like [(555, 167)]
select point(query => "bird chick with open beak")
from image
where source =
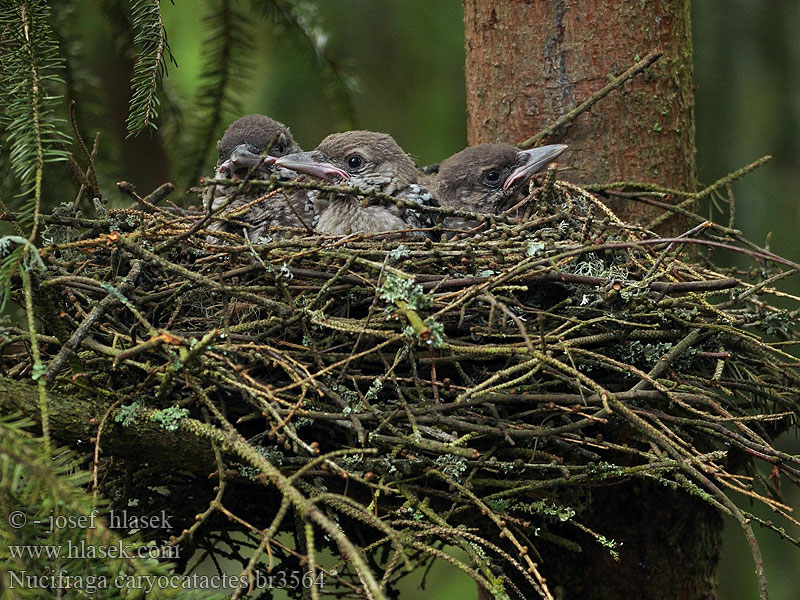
[(372, 162), (241, 151), (488, 178)]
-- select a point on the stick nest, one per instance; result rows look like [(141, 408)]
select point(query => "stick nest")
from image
[(406, 396)]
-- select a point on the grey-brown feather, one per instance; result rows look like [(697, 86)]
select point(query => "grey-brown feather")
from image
[(462, 182), (259, 131), (386, 169), (277, 208)]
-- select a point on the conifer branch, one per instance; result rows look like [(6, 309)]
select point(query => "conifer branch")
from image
[(225, 68), (45, 490), (300, 20), (152, 49), (29, 64)]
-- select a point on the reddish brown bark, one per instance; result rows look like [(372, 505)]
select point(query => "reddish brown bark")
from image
[(527, 63), (530, 61)]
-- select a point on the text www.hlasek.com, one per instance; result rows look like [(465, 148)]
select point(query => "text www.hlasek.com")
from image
[(82, 550)]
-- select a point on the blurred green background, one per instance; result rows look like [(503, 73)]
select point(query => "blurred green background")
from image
[(406, 59)]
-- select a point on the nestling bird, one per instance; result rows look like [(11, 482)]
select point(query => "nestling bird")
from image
[(488, 178), (240, 155), (368, 161)]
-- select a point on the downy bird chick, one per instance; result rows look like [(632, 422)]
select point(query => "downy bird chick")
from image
[(240, 155), (372, 162), (488, 178)]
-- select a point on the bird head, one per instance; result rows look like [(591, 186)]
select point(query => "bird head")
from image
[(246, 140), (488, 178), (364, 159)]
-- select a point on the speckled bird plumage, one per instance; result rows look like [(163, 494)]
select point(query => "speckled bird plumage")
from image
[(369, 161), (488, 178), (240, 149)]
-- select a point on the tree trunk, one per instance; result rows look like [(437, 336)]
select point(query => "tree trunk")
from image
[(527, 63), (75, 417)]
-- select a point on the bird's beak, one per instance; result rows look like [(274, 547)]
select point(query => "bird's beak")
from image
[(533, 161), (242, 160), (310, 164)]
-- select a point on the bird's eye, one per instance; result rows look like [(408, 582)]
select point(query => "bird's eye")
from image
[(279, 148), (355, 161), (493, 177)]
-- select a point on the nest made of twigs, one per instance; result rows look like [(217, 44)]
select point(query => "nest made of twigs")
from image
[(424, 394)]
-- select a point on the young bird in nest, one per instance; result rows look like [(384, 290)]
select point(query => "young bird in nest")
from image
[(240, 156), (488, 179), (372, 162)]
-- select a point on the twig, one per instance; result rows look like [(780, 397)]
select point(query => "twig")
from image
[(593, 99), (68, 349)]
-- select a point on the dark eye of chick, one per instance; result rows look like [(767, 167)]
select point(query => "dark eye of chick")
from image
[(278, 149), (355, 162), (492, 177)]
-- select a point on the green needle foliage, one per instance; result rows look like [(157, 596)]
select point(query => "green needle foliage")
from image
[(43, 68), (151, 51), (226, 67), (58, 532), (42, 60), (300, 21), (30, 75)]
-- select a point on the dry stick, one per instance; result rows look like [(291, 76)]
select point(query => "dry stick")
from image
[(752, 289), (763, 451), (479, 559), (720, 183), (142, 252), (539, 582), (96, 459), (532, 262), (151, 199), (754, 254), (13, 217), (312, 558), (158, 194), (691, 197), (648, 430), (73, 121), (149, 344), (679, 287), (89, 179), (234, 443), (712, 488), (731, 205), (639, 197), (642, 187), (211, 213), (214, 505), (68, 349), (697, 229), (589, 102)]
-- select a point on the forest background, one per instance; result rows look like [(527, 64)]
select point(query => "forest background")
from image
[(404, 62)]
